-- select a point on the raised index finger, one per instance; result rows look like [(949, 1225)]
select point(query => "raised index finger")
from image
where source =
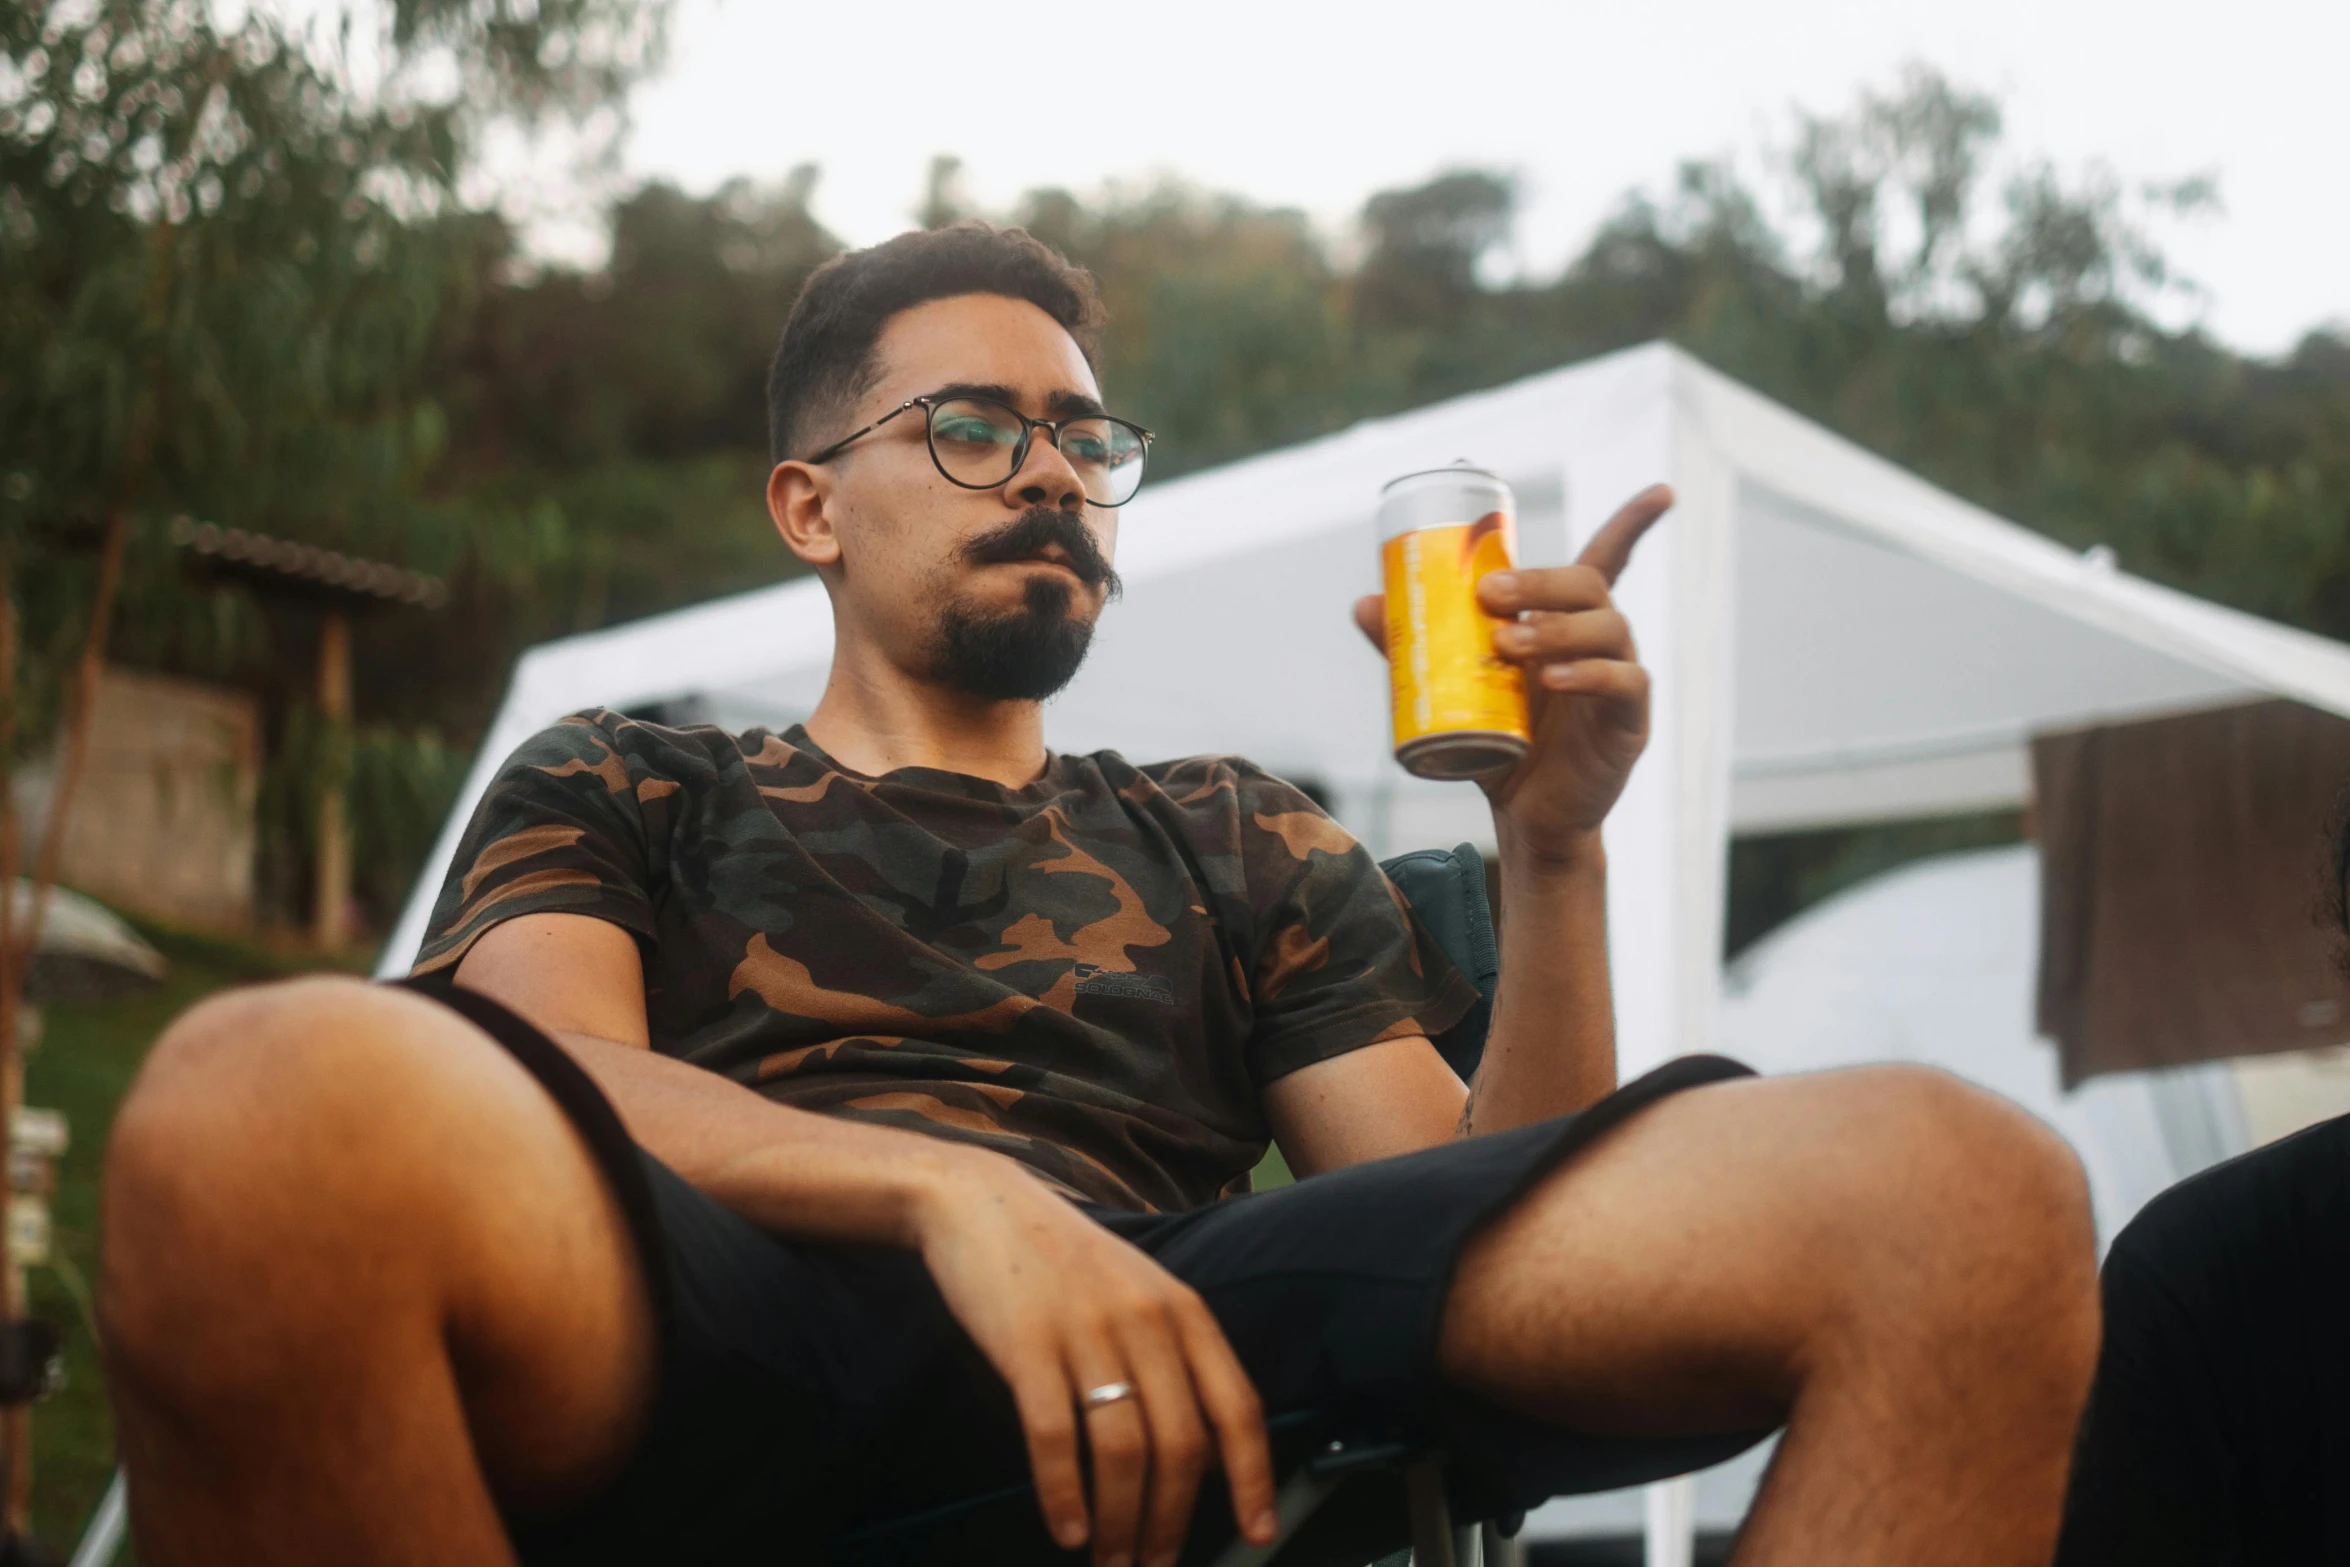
[(1610, 549)]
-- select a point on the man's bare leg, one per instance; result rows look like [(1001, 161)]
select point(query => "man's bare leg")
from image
[(1899, 1265), (362, 1280)]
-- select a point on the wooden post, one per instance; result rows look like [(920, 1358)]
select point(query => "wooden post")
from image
[(333, 892)]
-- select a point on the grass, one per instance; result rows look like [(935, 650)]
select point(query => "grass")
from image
[(87, 1057)]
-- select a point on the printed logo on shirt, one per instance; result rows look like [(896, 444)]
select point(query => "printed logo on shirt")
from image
[(1094, 980)]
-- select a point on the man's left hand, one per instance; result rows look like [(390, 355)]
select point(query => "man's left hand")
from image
[(1586, 693)]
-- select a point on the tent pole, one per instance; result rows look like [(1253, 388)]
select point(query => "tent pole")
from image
[(1672, 1522)]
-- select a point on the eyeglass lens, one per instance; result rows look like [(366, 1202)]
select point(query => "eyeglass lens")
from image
[(977, 443)]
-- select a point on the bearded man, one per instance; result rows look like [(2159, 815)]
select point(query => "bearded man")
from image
[(786, 1132)]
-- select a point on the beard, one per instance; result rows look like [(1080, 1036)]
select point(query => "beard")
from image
[(1029, 653)]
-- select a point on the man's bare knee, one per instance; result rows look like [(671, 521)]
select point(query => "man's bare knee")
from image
[(291, 1148), (263, 1122), (1956, 1218), (1974, 1175), (324, 1178)]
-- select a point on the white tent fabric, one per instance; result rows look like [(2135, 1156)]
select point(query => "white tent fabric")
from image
[(1831, 638), (1935, 963)]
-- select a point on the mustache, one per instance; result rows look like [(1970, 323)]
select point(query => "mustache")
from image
[(1039, 528)]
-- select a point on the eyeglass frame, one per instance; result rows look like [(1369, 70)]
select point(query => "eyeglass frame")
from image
[(929, 402)]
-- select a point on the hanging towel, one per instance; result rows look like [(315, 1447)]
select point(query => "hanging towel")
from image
[(2182, 866)]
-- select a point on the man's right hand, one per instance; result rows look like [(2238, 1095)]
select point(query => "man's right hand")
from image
[(1060, 1305)]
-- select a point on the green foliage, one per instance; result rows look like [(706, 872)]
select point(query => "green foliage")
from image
[(222, 273), (399, 782), (1228, 332), (661, 355), (229, 252), (534, 58), (1425, 247)]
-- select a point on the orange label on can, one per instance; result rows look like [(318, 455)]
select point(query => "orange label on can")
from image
[(1440, 660)]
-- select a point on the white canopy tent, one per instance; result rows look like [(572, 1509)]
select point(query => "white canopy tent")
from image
[(1833, 640)]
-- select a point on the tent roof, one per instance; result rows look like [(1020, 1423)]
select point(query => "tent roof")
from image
[(1890, 648), (1897, 646)]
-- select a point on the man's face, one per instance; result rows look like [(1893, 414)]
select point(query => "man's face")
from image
[(993, 592)]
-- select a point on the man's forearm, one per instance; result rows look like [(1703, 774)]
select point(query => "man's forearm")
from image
[(1552, 1046), (810, 1177)]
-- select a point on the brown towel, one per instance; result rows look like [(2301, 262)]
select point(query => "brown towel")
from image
[(2181, 862)]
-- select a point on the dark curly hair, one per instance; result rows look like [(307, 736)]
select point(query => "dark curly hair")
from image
[(824, 361)]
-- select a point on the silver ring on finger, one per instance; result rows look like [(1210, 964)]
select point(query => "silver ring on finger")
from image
[(1107, 1394)]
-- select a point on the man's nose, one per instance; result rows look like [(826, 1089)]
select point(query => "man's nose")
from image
[(1045, 478)]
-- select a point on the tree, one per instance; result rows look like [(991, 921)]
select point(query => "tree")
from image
[(224, 249), (1425, 245), (1226, 330)]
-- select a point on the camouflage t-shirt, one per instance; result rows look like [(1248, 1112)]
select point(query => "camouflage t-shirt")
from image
[(1096, 974)]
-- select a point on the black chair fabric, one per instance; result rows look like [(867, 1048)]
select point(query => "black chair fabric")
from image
[(1447, 893)]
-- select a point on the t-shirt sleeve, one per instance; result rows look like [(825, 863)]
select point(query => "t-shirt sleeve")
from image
[(559, 831), (1338, 962)]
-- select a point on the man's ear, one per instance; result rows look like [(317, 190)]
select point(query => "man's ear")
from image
[(796, 498)]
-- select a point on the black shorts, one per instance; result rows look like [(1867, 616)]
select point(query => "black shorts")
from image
[(819, 1402)]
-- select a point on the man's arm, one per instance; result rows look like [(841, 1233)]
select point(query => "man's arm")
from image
[(811, 1177), (1056, 1302), (1551, 1047), (1552, 1044)]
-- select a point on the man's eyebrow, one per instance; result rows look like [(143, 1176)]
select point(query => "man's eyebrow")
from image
[(994, 390), (1062, 404)]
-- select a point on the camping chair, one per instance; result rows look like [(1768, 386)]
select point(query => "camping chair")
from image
[(1447, 896)]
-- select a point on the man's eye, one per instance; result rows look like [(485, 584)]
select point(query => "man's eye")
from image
[(1090, 449), (967, 430)]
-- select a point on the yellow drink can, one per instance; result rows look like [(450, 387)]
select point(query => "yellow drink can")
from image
[(1460, 711)]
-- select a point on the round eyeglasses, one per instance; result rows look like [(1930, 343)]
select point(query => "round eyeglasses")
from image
[(979, 444)]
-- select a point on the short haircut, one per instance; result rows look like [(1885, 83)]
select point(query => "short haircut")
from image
[(824, 361)]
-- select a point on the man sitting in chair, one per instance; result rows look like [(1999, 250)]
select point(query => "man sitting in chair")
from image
[(790, 1131)]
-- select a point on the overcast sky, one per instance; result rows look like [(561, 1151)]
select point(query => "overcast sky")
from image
[(1316, 104)]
